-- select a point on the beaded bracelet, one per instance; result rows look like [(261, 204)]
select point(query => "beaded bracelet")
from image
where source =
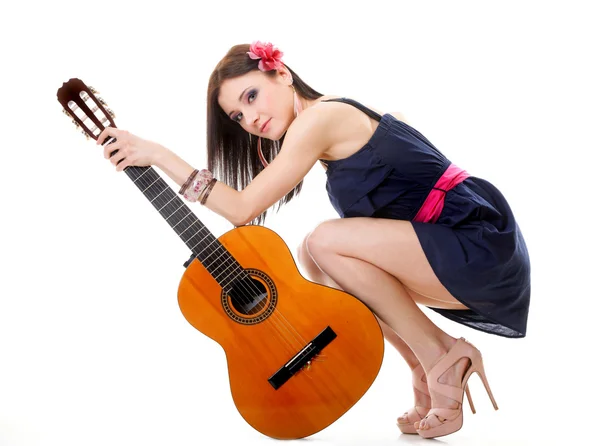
[(206, 191), (188, 181), (197, 186)]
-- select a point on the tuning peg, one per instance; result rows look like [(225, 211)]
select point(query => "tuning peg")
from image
[(111, 113), (75, 122), (85, 134), (101, 100), (66, 112), (93, 90)]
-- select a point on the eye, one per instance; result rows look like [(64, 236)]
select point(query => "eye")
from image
[(251, 97)]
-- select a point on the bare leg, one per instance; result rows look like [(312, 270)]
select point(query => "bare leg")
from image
[(317, 275), (378, 261)]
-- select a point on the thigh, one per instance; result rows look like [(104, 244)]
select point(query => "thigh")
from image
[(391, 245)]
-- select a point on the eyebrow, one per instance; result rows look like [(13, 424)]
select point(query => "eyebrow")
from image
[(239, 99)]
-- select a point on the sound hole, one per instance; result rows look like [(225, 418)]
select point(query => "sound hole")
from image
[(248, 296), (251, 299)]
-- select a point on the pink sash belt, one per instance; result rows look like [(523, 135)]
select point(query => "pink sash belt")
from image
[(434, 203)]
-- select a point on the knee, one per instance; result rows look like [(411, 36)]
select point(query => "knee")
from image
[(307, 264), (311, 253), (316, 242), (302, 253), (321, 240)]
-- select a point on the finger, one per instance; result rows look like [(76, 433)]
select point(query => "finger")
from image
[(117, 158), (110, 148), (123, 164), (108, 131)]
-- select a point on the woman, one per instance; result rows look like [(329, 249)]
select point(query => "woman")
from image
[(416, 229)]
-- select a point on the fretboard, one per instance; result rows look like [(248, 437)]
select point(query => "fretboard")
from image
[(205, 246)]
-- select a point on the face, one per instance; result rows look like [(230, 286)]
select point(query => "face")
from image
[(261, 104)]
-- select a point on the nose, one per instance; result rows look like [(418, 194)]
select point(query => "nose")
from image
[(251, 118)]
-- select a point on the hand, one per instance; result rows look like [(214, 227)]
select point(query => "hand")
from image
[(131, 150)]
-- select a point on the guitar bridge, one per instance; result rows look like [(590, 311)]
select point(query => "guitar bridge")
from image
[(302, 358)]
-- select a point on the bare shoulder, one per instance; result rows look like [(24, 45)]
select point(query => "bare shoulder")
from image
[(335, 129), (339, 120), (349, 128), (344, 122), (315, 126)]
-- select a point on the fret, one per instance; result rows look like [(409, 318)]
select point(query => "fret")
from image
[(171, 214), (141, 175), (200, 241), (233, 270), (193, 228), (212, 256), (151, 185), (183, 219), (197, 237), (166, 189), (224, 270), (204, 249), (229, 282)]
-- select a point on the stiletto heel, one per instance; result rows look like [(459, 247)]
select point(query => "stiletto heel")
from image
[(447, 421), (417, 413), (488, 389), (468, 392)]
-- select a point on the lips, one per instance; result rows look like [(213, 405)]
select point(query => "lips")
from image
[(265, 125)]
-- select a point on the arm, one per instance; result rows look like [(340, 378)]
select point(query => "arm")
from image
[(306, 140), (228, 203), (309, 136)]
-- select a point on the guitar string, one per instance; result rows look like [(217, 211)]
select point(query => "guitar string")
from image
[(241, 282), (283, 320), (226, 265), (276, 313)]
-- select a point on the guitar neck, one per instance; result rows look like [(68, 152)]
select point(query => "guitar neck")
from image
[(203, 244)]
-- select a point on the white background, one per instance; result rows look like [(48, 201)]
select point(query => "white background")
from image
[(93, 347)]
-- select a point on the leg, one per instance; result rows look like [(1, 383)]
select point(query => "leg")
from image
[(317, 275), (422, 398), (381, 262)]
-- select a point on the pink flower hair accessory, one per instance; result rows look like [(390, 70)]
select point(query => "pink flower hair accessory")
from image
[(270, 57)]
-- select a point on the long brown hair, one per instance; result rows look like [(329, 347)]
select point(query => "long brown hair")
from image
[(232, 152)]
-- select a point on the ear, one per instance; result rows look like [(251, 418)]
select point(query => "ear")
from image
[(284, 75)]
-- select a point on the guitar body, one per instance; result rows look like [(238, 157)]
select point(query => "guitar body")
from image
[(290, 318)]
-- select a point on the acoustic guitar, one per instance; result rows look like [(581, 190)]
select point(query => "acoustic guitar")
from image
[(299, 354)]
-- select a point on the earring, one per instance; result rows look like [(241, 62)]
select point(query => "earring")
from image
[(297, 105), (260, 153)]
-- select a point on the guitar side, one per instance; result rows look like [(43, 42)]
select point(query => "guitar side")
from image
[(258, 346)]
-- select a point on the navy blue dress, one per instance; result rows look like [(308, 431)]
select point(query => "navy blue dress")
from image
[(475, 248)]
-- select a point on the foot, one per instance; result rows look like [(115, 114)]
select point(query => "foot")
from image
[(453, 376), (422, 402)]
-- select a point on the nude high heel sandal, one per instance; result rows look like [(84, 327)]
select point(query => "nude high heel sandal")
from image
[(446, 421), (416, 413)]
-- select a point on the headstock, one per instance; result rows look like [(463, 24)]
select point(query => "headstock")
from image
[(87, 111)]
